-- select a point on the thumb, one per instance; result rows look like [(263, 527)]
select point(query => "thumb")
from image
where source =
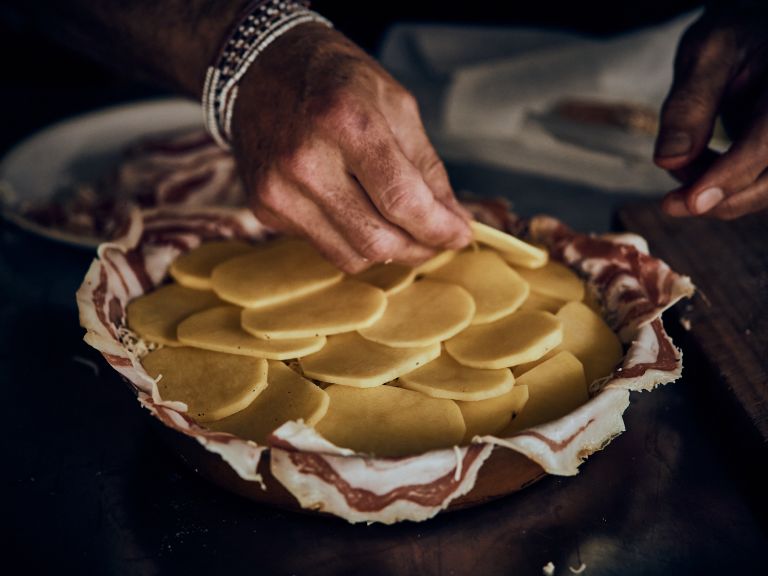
[(702, 72)]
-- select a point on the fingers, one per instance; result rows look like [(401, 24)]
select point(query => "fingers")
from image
[(735, 172), (702, 72), (674, 204), (433, 171), (405, 122), (752, 199), (709, 64), (352, 214), (332, 211), (282, 207), (696, 168), (398, 189)]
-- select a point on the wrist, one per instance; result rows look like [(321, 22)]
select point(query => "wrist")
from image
[(262, 24)]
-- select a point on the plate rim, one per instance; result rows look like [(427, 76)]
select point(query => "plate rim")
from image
[(9, 200)]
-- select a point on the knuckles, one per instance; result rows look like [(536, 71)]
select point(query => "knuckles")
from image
[(400, 201), (349, 118), (269, 194), (379, 246), (403, 100), (301, 164)]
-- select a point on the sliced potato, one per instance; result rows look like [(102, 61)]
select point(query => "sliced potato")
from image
[(272, 273), (342, 307), (352, 360), (536, 301), (435, 262), (496, 289), (554, 280), (287, 397), (219, 329), (194, 268), (389, 421), (555, 388), (514, 250), (520, 337), (589, 338), (521, 369), (491, 416), (213, 385), (391, 278), (424, 313), (446, 378), (156, 315)]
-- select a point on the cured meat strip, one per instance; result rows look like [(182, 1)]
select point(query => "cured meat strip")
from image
[(634, 287)]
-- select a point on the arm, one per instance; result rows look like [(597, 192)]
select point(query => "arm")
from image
[(721, 69), (170, 42), (329, 145)]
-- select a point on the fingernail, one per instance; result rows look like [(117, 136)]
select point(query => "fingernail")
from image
[(708, 199), (673, 144)]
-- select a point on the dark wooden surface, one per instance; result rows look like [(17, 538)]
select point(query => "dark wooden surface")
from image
[(728, 261), (89, 487)]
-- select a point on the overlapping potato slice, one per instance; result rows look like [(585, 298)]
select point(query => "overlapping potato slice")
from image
[(536, 301), (588, 337), (389, 421), (520, 337), (194, 268), (287, 397), (343, 307), (293, 298), (156, 315), (521, 369), (555, 388), (219, 329), (352, 360), (514, 250), (435, 262), (213, 385), (391, 278), (446, 378), (554, 280), (496, 289), (424, 313), (493, 415), (275, 272)]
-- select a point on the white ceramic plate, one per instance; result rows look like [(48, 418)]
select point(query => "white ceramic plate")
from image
[(82, 149)]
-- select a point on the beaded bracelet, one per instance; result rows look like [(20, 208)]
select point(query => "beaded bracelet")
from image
[(263, 23)]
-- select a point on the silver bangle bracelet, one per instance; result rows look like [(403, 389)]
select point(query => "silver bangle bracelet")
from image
[(262, 24)]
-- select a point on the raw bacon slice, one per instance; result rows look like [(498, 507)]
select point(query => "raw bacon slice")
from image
[(186, 168), (634, 287), (180, 169), (363, 489)]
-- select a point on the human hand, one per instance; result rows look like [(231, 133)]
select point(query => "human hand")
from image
[(332, 148), (721, 68)]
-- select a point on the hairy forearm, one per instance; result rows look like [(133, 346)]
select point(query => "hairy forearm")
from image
[(167, 41)]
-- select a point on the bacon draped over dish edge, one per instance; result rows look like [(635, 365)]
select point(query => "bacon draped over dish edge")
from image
[(633, 287)]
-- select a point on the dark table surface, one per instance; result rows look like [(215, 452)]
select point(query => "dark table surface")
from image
[(90, 488)]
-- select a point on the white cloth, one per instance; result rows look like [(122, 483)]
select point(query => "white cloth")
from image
[(486, 94)]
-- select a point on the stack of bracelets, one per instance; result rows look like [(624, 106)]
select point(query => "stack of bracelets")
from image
[(263, 22)]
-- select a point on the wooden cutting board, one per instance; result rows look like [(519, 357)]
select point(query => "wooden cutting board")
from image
[(728, 319)]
